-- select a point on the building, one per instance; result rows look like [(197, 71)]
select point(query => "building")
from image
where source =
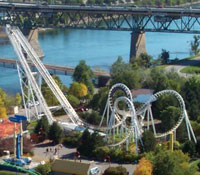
[(69, 167)]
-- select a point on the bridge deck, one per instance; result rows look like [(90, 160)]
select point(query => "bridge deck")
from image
[(9, 63)]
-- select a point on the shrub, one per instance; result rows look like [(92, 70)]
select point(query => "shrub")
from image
[(72, 139), (189, 147), (120, 170), (44, 169)]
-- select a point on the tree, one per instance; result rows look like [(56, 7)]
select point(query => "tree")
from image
[(149, 141), (78, 90), (75, 102), (83, 74), (169, 116), (144, 167), (55, 133), (89, 142), (191, 96), (3, 112), (164, 56), (198, 146), (42, 127), (48, 94), (195, 44), (166, 162), (119, 66), (189, 147), (144, 60), (91, 117), (18, 99), (115, 171), (128, 77), (99, 100)]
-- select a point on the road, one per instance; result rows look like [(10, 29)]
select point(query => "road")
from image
[(40, 154), (177, 67)]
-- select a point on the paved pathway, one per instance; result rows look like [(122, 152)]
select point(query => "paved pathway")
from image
[(177, 67), (40, 154)]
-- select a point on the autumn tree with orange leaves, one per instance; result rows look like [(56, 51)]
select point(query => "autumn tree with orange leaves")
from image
[(144, 167)]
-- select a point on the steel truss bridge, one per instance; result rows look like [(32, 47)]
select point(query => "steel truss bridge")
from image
[(176, 20)]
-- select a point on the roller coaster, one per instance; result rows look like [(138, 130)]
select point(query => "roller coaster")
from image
[(123, 125)]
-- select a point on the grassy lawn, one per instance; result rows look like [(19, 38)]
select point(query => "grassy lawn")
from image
[(10, 173), (31, 126), (191, 57), (191, 69)]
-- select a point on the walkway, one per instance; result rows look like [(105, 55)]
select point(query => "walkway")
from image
[(40, 154), (182, 64), (53, 69)]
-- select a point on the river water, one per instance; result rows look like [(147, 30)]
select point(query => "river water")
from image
[(98, 48)]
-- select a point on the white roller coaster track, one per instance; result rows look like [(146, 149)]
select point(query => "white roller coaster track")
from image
[(131, 131), (19, 41), (18, 49), (141, 111), (114, 121)]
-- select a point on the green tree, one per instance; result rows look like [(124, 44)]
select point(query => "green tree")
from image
[(89, 142), (99, 100), (164, 57), (172, 163), (75, 102), (83, 74), (169, 117), (128, 77), (91, 117), (144, 60), (42, 126), (55, 133), (195, 44), (119, 66), (149, 141), (191, 96), (198, 146), (18, 99), (189, 147), (48, 94)]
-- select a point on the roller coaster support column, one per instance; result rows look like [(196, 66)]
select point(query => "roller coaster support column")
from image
[(171, 141), (14, 140), (138, 45)]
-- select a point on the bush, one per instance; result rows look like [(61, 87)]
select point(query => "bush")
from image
[(120, 170), (189, 147), (72, 139), (92, 118), (44, 169)]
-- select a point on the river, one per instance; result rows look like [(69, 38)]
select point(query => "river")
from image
[(98, 48)]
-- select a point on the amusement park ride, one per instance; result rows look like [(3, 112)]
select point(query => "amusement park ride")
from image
[(123, 126), (18, 144)]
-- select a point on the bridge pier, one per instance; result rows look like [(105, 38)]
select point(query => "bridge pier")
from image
[(32, 36), (138, 44)]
